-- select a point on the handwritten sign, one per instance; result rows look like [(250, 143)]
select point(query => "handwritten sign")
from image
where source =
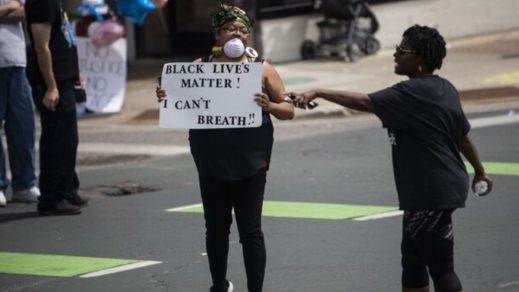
[(210, 95), (104, 70)]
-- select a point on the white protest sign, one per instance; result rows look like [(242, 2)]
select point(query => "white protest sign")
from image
[(210, 95), (104, 70)]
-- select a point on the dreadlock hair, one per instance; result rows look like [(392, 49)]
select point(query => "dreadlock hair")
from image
[(428, 44)]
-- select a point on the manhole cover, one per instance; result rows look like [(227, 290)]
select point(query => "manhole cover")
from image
[(123, 189)]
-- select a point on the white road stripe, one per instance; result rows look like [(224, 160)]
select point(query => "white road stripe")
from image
[(379, 216), (509, 284), (116, 148), (494, 121), (120, 269), (183, 208)]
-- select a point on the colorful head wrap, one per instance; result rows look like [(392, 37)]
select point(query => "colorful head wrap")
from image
[(229, 13)]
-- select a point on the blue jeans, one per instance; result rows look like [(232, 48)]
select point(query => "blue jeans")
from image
[(17, 117)]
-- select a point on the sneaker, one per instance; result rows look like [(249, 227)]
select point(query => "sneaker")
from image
[(3, 200), (27, 196), (229, 287), (79, 201), (63, 207)]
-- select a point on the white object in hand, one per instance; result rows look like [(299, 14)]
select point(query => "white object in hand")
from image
[(480, 187)]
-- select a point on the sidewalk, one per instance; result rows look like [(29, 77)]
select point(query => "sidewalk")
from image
[(485, 69)]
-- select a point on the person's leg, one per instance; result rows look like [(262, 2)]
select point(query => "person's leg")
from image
[(438, 248), (20, 131), (3, 105), (218, 219), (426, 289), (69, 141), (434, 240), (248, 202), (58, 148), (414, 272)]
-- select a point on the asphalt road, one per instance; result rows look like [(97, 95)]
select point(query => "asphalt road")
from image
[(344, 163)]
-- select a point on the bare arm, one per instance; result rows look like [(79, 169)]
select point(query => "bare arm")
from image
[(11, 12), (41, 36), (468, 149), (353, 100), (274, 101)]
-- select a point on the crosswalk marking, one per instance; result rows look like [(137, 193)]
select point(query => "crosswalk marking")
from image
[(120, 269), (64, 265), (305, 210)]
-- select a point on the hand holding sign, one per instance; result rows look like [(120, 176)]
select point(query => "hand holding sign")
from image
[(210, 95)]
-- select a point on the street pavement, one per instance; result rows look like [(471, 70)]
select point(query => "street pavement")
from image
[(323, 179), (328, 161)]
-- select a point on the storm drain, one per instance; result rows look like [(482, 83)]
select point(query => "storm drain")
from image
[(123, 189)]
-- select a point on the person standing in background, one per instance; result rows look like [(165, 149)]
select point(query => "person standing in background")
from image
[(16, 108), (53, 77)]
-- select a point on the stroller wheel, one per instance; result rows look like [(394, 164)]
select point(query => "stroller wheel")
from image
[(354, 52), (371, 46), (308, 50)]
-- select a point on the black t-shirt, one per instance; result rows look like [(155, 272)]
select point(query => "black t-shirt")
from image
[(425, 125), (62, 43)]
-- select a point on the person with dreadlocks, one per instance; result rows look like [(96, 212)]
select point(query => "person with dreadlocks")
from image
[(427, 129), (232, 163)]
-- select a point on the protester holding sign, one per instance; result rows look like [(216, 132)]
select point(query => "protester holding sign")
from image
[(232, 162)]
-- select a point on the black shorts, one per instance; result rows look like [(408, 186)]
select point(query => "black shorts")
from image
[(427, 247)]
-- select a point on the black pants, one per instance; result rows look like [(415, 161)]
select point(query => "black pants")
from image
[(428, 243), (58, 146), (246, 197)]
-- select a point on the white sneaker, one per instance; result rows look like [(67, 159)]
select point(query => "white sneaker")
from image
[(231, 286), (27, 196), (3, 201)]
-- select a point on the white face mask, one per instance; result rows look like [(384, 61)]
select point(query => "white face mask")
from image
[(234, 48)]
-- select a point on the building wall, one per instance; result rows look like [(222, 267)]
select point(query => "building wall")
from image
[(282, 37)]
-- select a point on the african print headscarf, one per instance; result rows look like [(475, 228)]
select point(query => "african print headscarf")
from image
[(229, 13)]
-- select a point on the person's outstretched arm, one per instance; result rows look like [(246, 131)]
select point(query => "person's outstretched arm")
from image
[(353, 100), (468, 149)]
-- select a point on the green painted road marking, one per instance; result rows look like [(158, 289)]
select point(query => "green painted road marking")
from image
[(497, 168), (297, 80), (307, 210), (55, 265)]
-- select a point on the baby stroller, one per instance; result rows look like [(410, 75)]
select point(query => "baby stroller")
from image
[(347, 30)]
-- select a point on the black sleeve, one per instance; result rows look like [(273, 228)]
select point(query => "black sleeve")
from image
[(395, 107)]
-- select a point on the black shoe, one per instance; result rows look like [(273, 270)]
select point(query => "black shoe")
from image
[(61, 208), (77, 200)]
